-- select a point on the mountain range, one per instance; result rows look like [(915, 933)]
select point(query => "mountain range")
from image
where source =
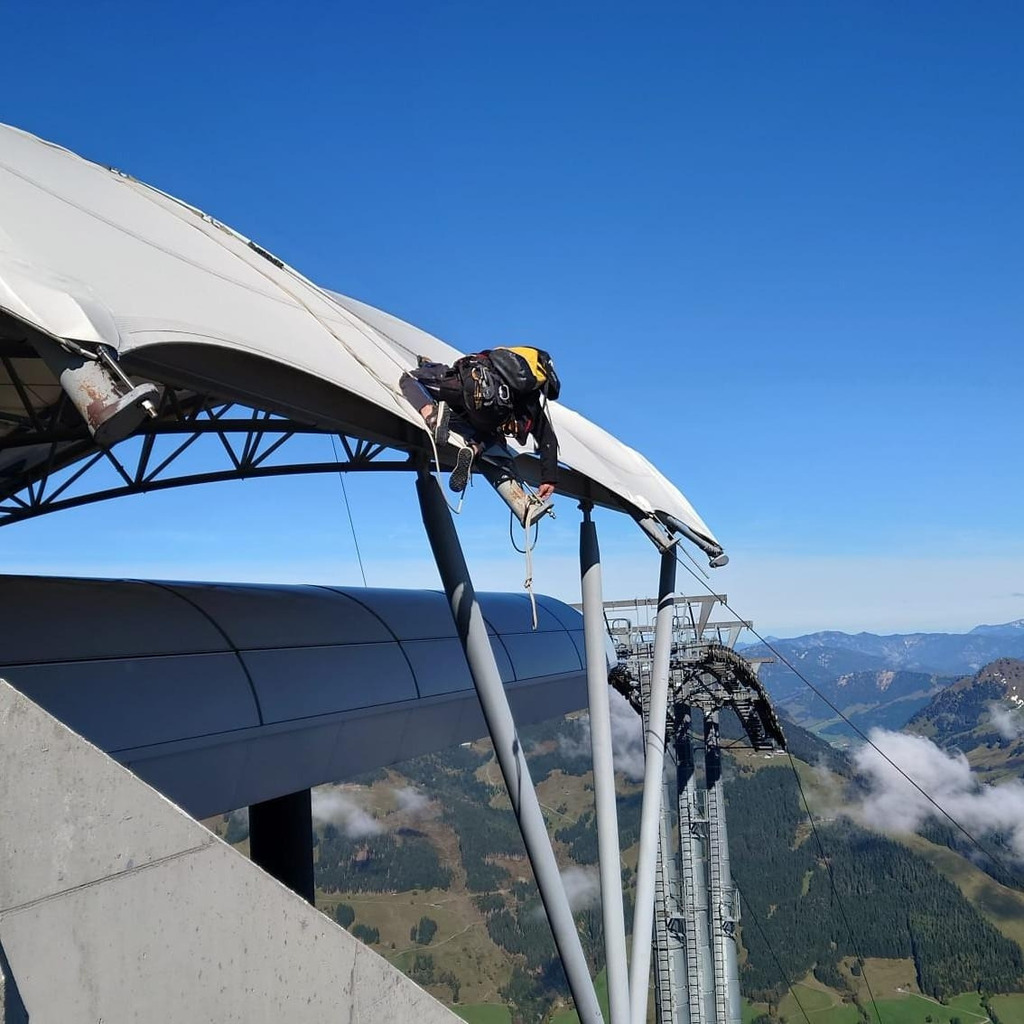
[(981, 715), (875, 680)]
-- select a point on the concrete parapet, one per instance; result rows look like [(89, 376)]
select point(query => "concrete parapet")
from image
[(116, 906)]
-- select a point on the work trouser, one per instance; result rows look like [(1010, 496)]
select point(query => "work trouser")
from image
[(434, 382)]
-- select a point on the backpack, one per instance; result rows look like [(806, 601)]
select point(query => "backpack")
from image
[(526, 369)]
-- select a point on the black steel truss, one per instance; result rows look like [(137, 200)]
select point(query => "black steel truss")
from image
[(48, 458)]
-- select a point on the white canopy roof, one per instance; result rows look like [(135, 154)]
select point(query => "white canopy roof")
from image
[(92, 255)]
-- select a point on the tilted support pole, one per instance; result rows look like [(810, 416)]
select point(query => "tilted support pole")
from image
[(604, 771), (469, 621), (650, 812)]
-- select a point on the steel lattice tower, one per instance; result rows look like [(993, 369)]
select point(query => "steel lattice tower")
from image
[(696, 903)]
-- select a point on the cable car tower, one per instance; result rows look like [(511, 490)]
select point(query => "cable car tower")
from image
[(696, 904)]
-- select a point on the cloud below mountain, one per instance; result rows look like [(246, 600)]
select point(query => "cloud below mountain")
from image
[(627, 738), (1010, 725), (334, 807), (893, 804), (412, 801), (582, 886)]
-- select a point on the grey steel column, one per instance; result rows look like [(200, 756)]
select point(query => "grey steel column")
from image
[(650, 813), (451, 564), (281, 840), (604, 771), (693, 863), (669, 948), (721, 892)]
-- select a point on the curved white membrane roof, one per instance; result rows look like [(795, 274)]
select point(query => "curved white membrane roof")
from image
[(91, 255)]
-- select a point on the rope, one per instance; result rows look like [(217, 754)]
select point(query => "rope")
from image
[(348, 508), (454, 509), (533, 504)]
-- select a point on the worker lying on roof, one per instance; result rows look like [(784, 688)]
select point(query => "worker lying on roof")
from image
[(485, 397)]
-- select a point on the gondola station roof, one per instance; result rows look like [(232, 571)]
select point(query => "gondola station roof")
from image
[(92, 257)]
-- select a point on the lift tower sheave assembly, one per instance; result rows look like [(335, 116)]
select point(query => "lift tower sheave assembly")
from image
[(696, 905)]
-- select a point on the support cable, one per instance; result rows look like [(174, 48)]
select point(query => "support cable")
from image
[(748, 906), (881, 753), (832, 883), (348, 508)]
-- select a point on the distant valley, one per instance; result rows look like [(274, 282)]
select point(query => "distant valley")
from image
[(424, 862), (876, 680)]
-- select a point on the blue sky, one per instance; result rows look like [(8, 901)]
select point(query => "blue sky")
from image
[(777, 247)]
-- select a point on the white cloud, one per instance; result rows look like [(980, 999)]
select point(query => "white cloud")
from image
[(335, 807), (627, 737), (570, 747), (1010, 725), (412, 801), (582, 886), (892, 804)]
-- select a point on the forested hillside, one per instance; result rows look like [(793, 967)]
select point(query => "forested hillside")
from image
[(447, 894), (887, 902)]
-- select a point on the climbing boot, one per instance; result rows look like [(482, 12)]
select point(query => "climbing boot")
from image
[(460, 474), (437, 423)]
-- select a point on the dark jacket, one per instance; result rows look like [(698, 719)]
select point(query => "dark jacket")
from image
[(532, 418), (440, 381)]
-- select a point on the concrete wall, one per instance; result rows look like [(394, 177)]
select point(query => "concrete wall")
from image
[(116, 906)]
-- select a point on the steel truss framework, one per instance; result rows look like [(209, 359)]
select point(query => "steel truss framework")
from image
[(696, 903), (49, 462)]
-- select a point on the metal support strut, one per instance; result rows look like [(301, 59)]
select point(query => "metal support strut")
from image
[(721, 892), (693, 828), (650, 812), (469, 621), (604, 771)]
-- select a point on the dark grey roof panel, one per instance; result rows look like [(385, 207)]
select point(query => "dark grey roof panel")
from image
[(46, 619), (409, 614), (580, 645), (511, 613), (566, 615), (217, 774), (189, 723), (132, 702), (532, 653), (258, 616), (504, 662), (300, 682), (439, 666)]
